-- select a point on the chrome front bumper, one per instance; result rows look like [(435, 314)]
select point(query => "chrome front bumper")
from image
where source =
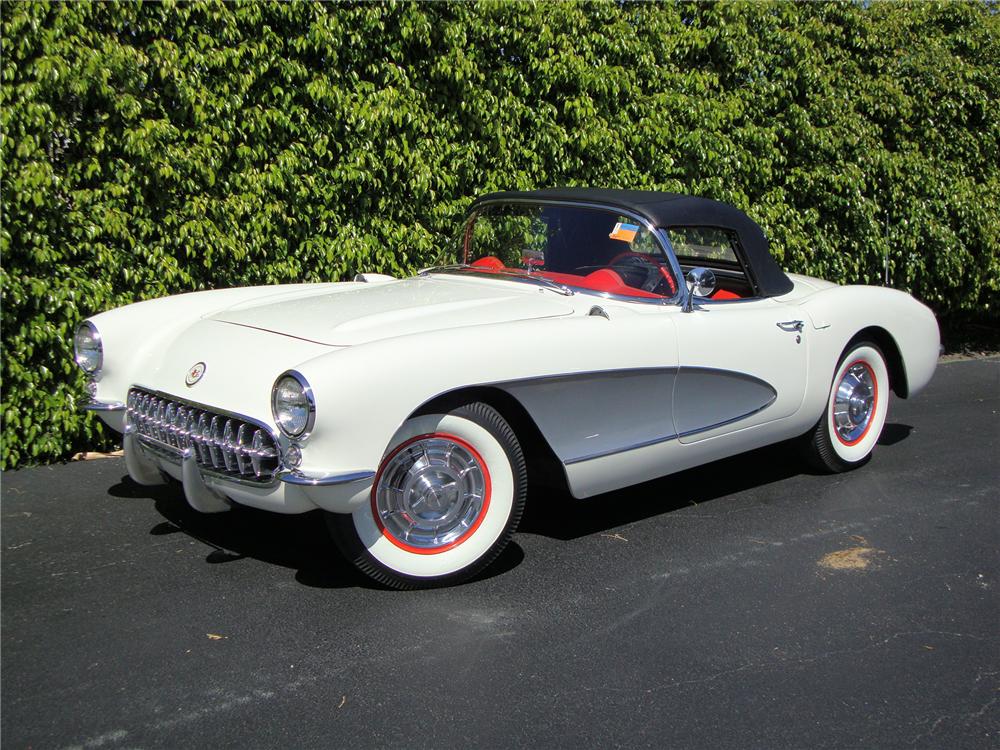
[(209, 491)]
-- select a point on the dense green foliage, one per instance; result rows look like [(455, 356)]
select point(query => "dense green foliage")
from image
[(150, 149)]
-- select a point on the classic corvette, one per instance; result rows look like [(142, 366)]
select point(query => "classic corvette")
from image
[(598, 338)]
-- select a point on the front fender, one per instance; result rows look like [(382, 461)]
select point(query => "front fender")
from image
[(365, 393), (142, 332)]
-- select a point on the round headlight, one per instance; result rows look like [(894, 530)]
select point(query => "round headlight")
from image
[(292, 404), (87, 348)]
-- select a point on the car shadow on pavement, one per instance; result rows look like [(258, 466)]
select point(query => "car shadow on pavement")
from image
[(554, 513), (299, 542), (893, 433)]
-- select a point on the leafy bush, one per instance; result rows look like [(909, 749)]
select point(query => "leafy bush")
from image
[(150, 149)]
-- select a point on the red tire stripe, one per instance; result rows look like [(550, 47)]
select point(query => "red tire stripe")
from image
[(487, 492), (871, 417)]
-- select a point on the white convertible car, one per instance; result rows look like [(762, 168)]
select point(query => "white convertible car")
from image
[(600, 337)]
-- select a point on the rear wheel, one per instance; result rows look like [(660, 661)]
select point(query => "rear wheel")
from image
[(446, 500), (855, 412)]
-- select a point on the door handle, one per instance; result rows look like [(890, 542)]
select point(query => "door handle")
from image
[(792, 326)]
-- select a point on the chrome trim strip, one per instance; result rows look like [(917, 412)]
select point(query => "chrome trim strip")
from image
[(758, 410), (682, 291), (103, 406), (667, 438), (669, 419), (615, 451), (305, 479), (708, 397)]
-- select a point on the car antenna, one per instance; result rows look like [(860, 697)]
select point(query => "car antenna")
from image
[(885, 252)]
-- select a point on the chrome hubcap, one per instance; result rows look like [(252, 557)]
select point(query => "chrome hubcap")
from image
[(854, 403), (431, 492)]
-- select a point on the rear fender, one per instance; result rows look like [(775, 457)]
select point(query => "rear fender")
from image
[(840, 314)]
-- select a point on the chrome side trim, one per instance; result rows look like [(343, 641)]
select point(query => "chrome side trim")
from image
[(103, 406), (706, 398), (666, 438), (589, 415), (306, 479), (614, 451), (711, 427)]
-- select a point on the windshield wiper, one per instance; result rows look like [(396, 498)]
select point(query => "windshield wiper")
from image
[(515, 275)]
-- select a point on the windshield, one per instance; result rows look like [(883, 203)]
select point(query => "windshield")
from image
[(582, 248)]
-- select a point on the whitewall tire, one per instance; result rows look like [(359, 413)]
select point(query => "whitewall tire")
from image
[(855, 412), (446, 500)]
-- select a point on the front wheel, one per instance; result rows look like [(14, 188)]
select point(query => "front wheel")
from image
[(446, 500), (855, 413)]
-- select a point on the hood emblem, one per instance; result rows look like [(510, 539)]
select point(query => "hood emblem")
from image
[(195, 373)]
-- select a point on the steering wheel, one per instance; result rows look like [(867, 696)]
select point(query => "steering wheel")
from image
[(656, 277)]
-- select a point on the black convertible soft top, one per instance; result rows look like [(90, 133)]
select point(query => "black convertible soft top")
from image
[(674, 210)]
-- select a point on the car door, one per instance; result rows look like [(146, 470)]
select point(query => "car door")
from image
[(742, 356), (742, 363)]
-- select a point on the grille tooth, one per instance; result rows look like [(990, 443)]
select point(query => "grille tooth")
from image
[(228, 454), (169, 424), (181, 428), (202, 431), (161, 421), (143, 421), (223, 444), (242, 459), (215, 442), (255, 452)]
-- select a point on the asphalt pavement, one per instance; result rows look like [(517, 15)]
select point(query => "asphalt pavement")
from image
[(747, 604)]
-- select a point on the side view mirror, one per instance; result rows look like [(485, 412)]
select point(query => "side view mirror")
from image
[(700, 283)]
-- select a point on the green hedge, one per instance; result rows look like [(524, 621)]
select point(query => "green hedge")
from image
[(150, 148)]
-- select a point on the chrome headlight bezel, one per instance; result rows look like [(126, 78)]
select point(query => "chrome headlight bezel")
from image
[(301, 426), (89, 363)]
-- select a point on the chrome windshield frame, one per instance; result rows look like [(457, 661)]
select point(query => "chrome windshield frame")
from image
[(660, 237)]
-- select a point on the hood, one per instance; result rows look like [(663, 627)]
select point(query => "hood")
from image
[(370, 312)]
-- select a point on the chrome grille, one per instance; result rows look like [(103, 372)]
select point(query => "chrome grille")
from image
[(222, 443)]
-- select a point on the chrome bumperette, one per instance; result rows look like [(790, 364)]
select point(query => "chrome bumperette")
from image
[(229, 446)]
